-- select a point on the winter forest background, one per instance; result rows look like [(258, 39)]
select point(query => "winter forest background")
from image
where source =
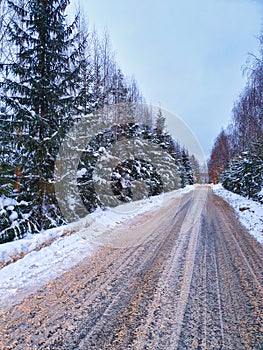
[(237, 156), (52, 74)]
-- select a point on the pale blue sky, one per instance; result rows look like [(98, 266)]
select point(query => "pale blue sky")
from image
[(186, 55)]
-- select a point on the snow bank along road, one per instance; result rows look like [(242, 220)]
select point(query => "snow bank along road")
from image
[(194, 283)]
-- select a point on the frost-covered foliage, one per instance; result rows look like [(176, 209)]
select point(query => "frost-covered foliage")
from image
[(38, 100), (186, 169), (236, 157), (14, 221), (52, 74), (244, 174), (131, 162)]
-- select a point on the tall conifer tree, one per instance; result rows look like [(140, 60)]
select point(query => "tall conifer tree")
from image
[(39, 98)]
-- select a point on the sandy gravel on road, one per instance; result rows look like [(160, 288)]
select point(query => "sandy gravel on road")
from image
[(194, 283)]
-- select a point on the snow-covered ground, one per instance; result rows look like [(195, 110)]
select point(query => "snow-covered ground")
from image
[(36, 259), (250, 213)]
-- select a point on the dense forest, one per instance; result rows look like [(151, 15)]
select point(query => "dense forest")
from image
[(237, 155), (52, 74)]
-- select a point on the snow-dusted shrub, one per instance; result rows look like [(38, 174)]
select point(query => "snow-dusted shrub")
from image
[(13, 221), (244, 175), (128, 162)]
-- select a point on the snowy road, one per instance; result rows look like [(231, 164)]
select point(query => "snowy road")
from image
[(193, 282)]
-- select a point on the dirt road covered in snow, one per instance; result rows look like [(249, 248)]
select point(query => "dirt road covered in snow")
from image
[(194, 281)]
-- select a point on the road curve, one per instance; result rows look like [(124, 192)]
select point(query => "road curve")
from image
[(194, 283)]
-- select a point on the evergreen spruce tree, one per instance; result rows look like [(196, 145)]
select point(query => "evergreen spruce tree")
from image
[(187, 175), (119, 88), (195, 169), (160, 122), (244, 175), (135, 176), (39, 94)]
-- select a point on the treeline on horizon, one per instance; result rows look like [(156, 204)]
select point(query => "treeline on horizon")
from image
[(52, 73), (237, 155)]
